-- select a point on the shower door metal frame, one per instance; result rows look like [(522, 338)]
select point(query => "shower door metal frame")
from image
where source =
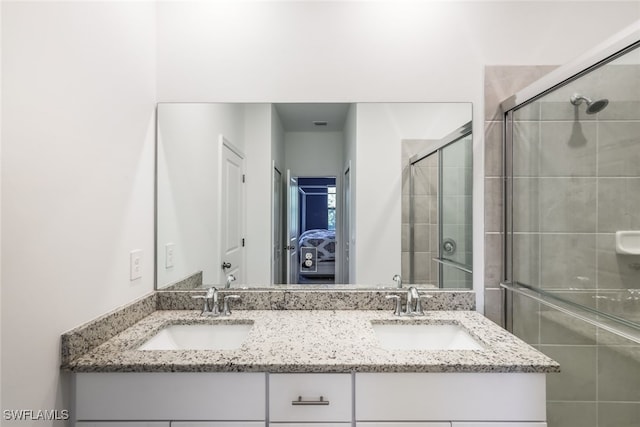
[(434, 149), (611, 49)]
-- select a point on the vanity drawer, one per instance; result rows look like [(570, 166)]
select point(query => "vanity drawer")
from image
[(286, 389)]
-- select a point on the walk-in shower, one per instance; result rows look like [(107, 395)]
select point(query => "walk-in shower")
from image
[(572, 289)]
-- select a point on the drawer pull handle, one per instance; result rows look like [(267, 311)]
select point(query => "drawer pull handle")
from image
[(310, 402)]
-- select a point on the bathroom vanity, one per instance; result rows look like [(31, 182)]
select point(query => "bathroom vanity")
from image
[(292, 368)]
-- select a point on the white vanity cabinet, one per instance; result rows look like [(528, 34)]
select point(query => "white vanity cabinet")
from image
[(310, 400), (304, 398), (453, 399)]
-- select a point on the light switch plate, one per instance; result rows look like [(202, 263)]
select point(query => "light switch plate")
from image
[(135, 264), (169, 250)]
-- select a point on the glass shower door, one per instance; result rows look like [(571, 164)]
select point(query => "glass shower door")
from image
[(440, 213), (456, 229)]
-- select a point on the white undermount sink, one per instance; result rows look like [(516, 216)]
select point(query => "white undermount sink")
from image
[(399, 336), (198, 337)]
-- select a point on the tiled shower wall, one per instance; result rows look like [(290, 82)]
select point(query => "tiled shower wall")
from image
[(576, 182)]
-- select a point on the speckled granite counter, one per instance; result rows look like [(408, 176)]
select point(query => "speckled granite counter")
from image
[(314, 341)]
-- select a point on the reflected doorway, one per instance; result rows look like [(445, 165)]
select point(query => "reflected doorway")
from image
[(312, 221)]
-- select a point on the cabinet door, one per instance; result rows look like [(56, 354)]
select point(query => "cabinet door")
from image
[(137, 396), (122, 424), (323, 397), (438, 397), (497, 424)]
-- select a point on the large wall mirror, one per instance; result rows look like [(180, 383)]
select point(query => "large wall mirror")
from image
[(313, 194)]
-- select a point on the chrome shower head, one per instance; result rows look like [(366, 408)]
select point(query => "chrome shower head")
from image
[(593, 107)]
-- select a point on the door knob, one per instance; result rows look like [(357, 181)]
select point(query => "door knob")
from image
[(226, 265)]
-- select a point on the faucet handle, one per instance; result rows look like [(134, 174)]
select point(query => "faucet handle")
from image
[(419, 310), (398, 309), (225, 310)]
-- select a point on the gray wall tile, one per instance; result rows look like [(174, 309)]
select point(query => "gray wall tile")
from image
[(619, 148), (492, 260), (526, 321), (493, 149), (526, 148), (619, 373), (571, 414), (621, 110), (618, 414), (568, 261), (618, 204), (526, 206), (559, 328), (493, 204), (577, 379), (502, 81), (421, 238), (526, 259), (568, 205), (568, 149), (493, 305)]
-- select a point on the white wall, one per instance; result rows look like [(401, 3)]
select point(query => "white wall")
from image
[(78, 98), (314, 153), (381, 127), (258, 153), (188, 184), (277, 140)]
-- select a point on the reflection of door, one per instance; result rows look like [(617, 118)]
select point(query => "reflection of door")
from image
[(292, 229), (276, 227), (231, 212), (346, 221)]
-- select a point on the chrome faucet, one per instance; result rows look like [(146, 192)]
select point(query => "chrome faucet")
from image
[(398, 279), (413, 306), (230, 278), (210, 306)]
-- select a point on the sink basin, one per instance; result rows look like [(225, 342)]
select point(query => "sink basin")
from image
[(425, 337), (198, 337)]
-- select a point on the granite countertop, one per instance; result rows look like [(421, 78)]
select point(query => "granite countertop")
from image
[(313, 341)]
